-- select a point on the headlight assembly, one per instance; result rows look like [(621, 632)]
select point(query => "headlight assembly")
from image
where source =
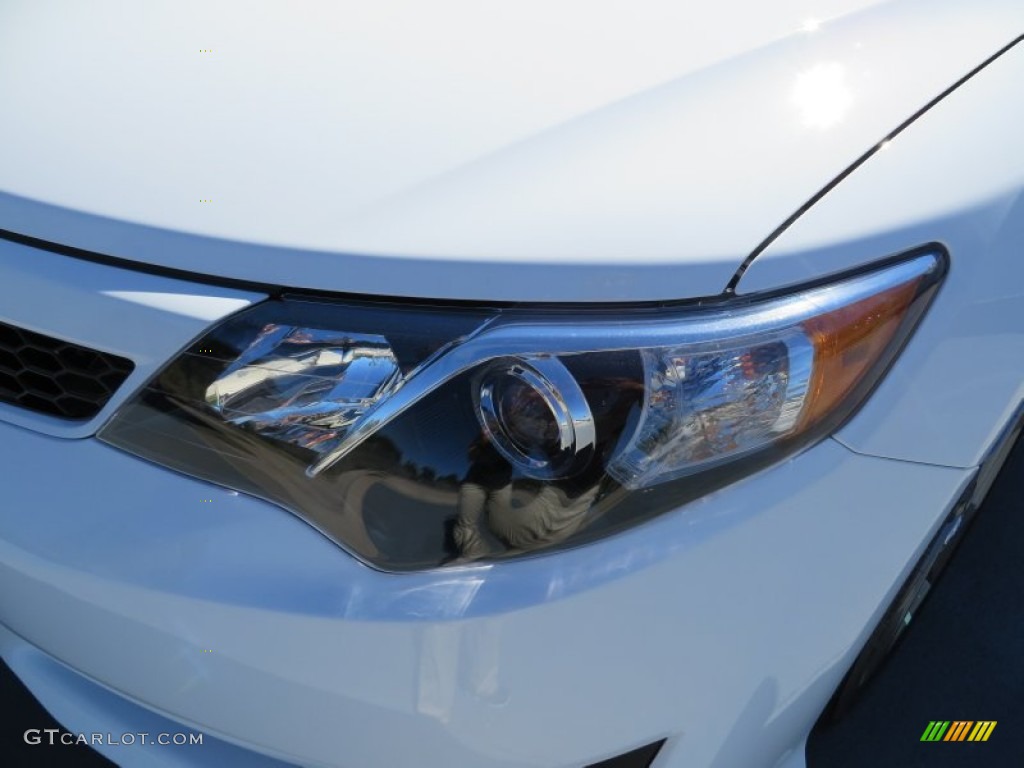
[(417, 437)]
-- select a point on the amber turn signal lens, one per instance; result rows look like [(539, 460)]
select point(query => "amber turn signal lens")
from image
[(849, 342)]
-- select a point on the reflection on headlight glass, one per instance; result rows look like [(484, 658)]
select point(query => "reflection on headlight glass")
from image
[(418, 437), (305, 386)]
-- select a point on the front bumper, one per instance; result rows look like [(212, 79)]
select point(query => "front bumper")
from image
[(724, 627)]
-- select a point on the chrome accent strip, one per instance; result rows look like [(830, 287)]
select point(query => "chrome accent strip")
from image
[(525, 338)]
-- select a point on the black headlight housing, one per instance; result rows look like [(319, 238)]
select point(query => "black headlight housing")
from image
[(418, 437)]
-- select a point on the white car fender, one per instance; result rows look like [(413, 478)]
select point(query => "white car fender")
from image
[(956, 177)]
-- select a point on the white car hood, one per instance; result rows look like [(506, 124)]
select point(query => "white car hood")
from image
[(552, 151)]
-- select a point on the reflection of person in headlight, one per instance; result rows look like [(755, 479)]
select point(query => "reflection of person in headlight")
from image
[(495, 513)]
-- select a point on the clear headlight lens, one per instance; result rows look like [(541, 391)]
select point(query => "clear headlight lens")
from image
[(305, 386), (417, 437)]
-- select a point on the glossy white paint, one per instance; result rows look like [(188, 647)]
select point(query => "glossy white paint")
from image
[(82, 706), (579, 152), (725, 625), (528, 151), (955, 177), (145, 318)]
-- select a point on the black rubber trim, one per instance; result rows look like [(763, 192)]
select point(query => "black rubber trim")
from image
[(637, 758), (137, 266), (277, 291), (734, 282), (725, 300)]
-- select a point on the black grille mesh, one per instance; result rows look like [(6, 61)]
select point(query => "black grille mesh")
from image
[(56, 377)]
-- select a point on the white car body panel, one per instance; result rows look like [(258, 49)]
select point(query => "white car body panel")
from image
[(648, 174), (457, 150), (956, 177), (88, 708), (456, 667)]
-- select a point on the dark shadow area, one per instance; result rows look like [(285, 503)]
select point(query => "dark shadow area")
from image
[(962, 658), (22, 712)]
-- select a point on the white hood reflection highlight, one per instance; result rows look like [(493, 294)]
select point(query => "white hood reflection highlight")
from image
[(458, 660), (185, 304), (822, 95), (424, 598)]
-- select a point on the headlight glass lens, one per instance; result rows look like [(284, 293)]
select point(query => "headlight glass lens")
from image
[(535, 414), (418, 437)]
